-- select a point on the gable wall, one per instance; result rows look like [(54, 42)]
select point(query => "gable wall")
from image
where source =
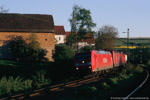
[(46, 40)]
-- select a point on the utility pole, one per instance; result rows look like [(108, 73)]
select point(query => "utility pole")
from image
[(128, 44)]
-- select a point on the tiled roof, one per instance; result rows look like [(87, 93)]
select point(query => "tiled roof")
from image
[(90, 38), (59, 30), (26, 23)]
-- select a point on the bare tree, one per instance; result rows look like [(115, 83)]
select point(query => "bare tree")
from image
[(106, 37)]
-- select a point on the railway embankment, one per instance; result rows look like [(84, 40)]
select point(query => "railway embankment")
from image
[(116, 87)]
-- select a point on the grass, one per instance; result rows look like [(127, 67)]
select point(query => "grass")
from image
[(57, 71), (10, 63)]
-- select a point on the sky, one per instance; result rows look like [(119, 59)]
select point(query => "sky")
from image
[(122, 14)]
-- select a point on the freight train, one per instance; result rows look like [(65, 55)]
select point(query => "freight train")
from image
[(96, 61)]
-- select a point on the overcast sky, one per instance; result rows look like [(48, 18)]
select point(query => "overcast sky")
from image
[(123, 14)]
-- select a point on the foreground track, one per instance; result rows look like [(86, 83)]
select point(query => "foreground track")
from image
[(141, 89), (52, 89)]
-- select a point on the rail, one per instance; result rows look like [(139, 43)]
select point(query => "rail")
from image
[(127, 97)]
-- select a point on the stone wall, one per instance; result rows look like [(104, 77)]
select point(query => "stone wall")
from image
[(46, 40)]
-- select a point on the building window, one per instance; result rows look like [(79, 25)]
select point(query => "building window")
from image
[(45, 39), (59, 38)]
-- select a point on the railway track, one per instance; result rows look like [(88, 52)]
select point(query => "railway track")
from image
[(133, 93), (55, 88)]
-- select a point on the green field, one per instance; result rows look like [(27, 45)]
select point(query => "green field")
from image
[(133, 42)]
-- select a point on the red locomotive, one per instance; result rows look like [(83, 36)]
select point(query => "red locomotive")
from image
[(95, 61)]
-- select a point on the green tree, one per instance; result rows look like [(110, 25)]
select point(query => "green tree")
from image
[(86, 48), (72, 40), (85, 22), (33, 51), (81, 23), (63, 52), (73, 20), (33, 43), (29, 51), (106, 37), (17, 47)]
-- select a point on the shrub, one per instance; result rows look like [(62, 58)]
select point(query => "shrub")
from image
[(4, 86), (12, 85), (39, 79), (130, 69), (104, 86), (16, 84), (135, 69), (28, 84), (122, 76), (113, 81), (63, 52), (138, 69), (26, 51), (86, 48)]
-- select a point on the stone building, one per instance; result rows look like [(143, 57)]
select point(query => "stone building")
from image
[(12, 25)]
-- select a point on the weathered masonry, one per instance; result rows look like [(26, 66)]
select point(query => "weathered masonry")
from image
[(24, 25)]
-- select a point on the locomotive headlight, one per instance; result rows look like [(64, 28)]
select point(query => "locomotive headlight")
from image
[(90, 67), (77, 68)]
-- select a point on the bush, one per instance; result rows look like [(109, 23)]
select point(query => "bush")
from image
[(63, 52), (39, 79), (16, 84), (122, 76), (28, 84), (135, 69), (26, 51), (113, 81), (130, 69), (138, 69), (86, 48), (12, 85), (104, 86), (4, 86)]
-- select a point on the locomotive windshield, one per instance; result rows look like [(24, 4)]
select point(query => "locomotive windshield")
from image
[(81, 57)]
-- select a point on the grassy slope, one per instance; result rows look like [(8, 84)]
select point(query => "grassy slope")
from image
[(133, 42), (26, 70)]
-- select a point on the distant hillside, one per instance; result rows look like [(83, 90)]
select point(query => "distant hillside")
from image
[(145, 41)]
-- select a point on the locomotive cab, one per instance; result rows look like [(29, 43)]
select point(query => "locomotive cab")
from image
[(83, 62)]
